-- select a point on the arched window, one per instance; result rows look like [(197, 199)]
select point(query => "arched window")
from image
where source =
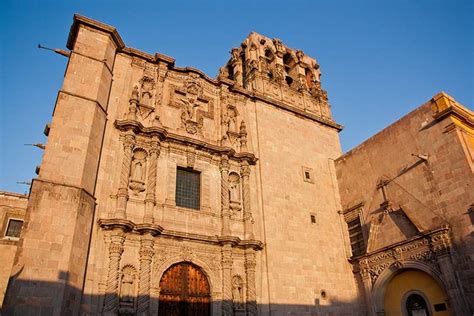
[(290, 68), (416, 305)]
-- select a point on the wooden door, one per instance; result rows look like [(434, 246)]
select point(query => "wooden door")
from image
[(184, 291)]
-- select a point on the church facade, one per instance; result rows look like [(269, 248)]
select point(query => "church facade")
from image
[(163, 191)]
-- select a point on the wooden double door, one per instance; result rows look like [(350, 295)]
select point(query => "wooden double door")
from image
[(184, 291)]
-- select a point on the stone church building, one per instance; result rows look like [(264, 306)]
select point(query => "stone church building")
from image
[(165, 192)]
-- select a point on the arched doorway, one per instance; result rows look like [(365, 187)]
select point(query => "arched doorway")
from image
[(413, 292), (184, 291)]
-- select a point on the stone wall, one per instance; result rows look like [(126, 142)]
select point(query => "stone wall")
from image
[(414, 177), (12, 206)]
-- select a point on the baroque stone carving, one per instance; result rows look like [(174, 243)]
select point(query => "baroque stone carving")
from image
[(128, 290), (238, 293), (138, 166), (111, 300), (193, 103), (234, 192)]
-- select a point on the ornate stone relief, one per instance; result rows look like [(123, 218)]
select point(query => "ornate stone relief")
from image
[(193, 103), (424, 250), (142, 99)]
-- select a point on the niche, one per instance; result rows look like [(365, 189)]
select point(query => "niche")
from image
[(138, 171), (128, 285), (234, 191)]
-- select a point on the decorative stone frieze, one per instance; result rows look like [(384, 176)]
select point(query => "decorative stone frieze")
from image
[(426, 249)]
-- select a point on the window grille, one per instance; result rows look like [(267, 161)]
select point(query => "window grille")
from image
[(188, 188), (356, 237), (14, 228)]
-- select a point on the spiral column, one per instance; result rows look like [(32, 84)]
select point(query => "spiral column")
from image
[(225, 210), (146, 253), (150, 198), (248, 225), (250, 264), (111, 300), (122, 194)]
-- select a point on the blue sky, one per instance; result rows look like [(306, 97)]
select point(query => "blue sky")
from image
[(379, 59)]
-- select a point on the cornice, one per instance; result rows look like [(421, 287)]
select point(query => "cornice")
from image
[(164, 135), (82, 20), (157, 230)]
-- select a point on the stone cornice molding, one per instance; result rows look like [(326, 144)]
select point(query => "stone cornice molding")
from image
[(425, 249), (157, 230), (443, 105), (164, 135), (82, 20)]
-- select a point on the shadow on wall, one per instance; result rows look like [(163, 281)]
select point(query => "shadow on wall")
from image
[(20, 301)]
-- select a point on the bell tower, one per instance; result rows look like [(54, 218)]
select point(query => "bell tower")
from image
[(266, 67)]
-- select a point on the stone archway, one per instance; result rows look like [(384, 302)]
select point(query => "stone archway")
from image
[(184, 291), (392, 290)]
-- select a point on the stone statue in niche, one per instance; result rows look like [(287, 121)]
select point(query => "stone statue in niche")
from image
[(137, 172), (238, 293), (127, 290), (234, 191), (135, 93), (230, 126), (147, 85)]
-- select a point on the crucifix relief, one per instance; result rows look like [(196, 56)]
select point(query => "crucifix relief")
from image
[(193, 103)]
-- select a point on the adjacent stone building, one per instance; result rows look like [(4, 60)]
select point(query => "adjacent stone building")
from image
[(12, 215), (163, 191), (407, 194)]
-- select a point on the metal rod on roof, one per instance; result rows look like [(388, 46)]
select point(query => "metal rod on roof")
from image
[(56, 50)]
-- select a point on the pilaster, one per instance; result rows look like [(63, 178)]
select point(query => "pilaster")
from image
[(150, 198), (250, 265), (225, 209), (111, 300), (248, 219)]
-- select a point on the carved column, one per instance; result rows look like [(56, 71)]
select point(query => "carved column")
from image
[(227, 306), (111, 300), (122, 195), (150, 198), (367, 281), (133, 105), (225, 211), (250, 264), (442, 246), (146, 255), (248, 219)]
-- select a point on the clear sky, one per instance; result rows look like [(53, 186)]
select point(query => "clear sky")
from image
[(379, 59)]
